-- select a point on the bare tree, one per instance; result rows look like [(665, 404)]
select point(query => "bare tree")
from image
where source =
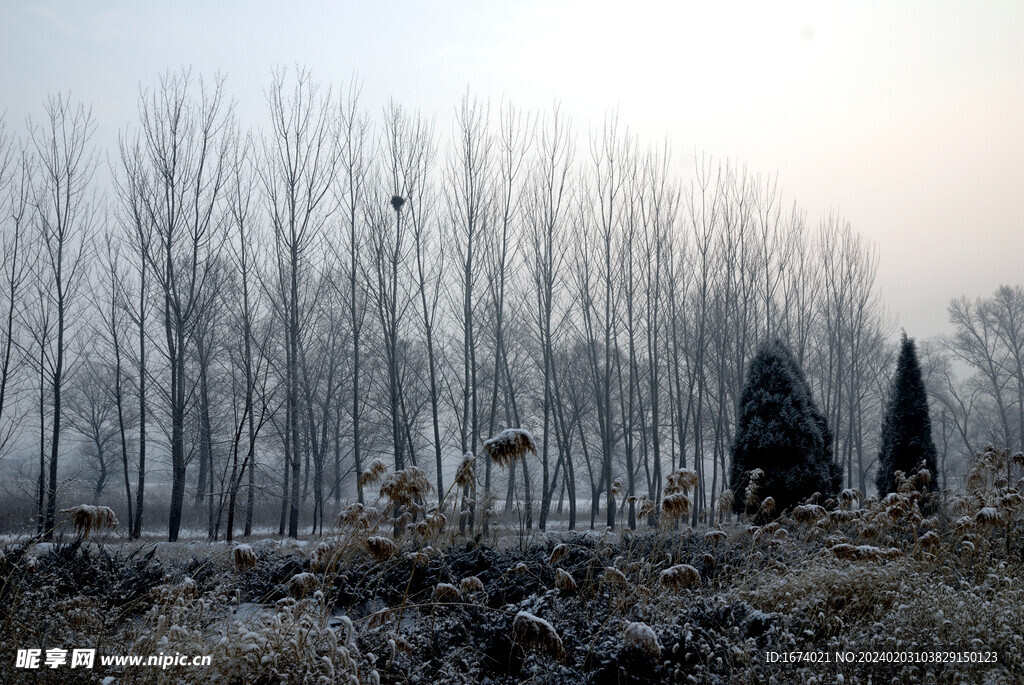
[(92, 413), (299, 163), (64, 216), (351, 194), (16, 176), (547, 206), (511, 149), (110, 305), (976, 342), (178, 172), (1007, 311), (469, 201), (660, 204), (597, 271)]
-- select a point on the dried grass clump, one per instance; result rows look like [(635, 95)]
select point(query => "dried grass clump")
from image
[(617, 487), (534, 634), (680, 576), (642, 637), (303, 585), (565, 582), (444, 592), (418, 558), (930, 539), (431, 525), (509, 446), (87, 517), (171, 593), (244, 557), (715, 536), (406, 487), (864, 552), (681, 480), (614, 576), (325, 557), (381, 548), (766, 531), (848, 496), (989, 516), (373, 473), (750, 496), (558, 552), (645, 506), (767, 506), (708, 561), (676, 505), (293, 642), (356, 515), (470, 586), (809, 513), (464, 474)]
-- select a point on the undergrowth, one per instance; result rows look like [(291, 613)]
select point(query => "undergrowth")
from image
[(393, 594)]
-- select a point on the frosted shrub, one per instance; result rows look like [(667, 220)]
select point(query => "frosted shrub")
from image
[(534, 634), (445, 592)]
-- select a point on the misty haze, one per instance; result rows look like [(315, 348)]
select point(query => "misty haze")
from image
[(555, 342)]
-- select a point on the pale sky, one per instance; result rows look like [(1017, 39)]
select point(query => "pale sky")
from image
[(906, 117)]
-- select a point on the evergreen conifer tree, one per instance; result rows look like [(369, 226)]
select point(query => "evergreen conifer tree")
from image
[(906, 426), (781, 432)]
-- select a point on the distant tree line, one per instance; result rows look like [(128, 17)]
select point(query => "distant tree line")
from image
[(262, 312)]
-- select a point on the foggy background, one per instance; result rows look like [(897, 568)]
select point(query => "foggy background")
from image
[(905, 117)]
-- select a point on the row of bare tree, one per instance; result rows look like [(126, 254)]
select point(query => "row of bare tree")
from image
[(265, 313)]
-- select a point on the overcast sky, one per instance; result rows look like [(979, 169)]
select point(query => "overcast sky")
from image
[(906, 117)]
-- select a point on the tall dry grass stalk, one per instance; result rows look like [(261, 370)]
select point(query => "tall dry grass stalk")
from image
[(87, 517), (509, 446)]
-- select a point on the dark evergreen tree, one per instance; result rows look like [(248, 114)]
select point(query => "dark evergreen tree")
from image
[(781, 431), (906, 427)]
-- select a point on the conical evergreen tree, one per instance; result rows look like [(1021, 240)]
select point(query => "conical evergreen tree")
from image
[(906, 427), (780, 431)]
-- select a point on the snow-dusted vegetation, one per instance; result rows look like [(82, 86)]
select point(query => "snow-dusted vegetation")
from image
[(477, 385), (907, 573)]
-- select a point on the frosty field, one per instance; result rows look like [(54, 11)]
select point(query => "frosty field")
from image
[(874, 581)]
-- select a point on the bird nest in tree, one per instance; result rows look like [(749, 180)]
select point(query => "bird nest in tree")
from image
[(510, 446), (86, 517)]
